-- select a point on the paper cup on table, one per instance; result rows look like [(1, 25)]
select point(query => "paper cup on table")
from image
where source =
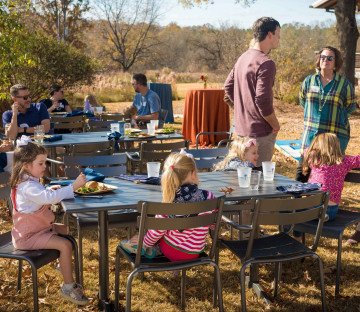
[(150, 128), (244, 174), (156, 123), (255, 180), (115, 127), (153, 169), (268, 170)]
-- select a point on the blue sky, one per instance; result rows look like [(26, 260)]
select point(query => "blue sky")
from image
[(226, 11)]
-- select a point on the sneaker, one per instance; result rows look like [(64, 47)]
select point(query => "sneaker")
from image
[(75, 295), (326, 218)]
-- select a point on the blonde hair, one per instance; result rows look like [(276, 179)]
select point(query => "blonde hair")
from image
[(176, 169), (24, 155), (92, 100), (238, 148), (324, 150)]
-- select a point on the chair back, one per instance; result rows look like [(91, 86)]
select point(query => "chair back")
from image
[(162, 116), (353, 176), (98, 125), (92, 149), (73, 123), (283, 211), (112, 117), (5, 189), (108, 165), (183, 216), (207, 158)]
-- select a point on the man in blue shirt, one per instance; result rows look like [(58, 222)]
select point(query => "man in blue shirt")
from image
[(146, 101), (24, 115)]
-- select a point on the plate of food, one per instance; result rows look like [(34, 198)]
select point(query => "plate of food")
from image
[(141, 135), (134, 130), (165, 131), (93, 187)]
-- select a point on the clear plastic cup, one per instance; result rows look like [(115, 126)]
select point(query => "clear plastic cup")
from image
[(155, 122), (255, 180), (150, 128), (115, 127), (268, 170), (98, 110), (153, 169), (39, 134), (244, 174)]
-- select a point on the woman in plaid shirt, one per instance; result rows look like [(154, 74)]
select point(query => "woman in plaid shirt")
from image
[(328, 99)]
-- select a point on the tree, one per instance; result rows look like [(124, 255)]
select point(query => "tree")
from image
[(346, 27), (61, 19), (129, 26)]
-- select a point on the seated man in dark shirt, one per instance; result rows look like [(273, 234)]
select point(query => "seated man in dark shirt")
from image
[(24, 115), (56, 103)]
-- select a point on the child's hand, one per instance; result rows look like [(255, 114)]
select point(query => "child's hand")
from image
[(79, 182)]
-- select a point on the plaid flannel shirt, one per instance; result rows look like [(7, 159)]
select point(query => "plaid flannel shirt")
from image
[(326, 111)]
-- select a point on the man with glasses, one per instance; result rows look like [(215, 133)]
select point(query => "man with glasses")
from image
[(249, 86), (24, 115), (146, 101), (56, 103)]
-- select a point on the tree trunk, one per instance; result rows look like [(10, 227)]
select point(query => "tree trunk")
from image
[(348, 34)]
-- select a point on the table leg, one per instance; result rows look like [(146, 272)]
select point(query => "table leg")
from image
[(52, 165), (253, 282), (105, 304)]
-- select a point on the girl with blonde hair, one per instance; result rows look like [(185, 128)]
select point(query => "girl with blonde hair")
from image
[(329, 167), (243, 152), (179, 183)]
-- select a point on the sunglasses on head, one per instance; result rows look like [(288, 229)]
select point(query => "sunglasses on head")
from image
[(330, 58), (24, 97)]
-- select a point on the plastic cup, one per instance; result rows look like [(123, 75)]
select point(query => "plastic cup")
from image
[(98, 110), (244, 174), (268, 170), (114, 127), (127, 128), (155, 122), (150, 128), (39, 134), (153, 169), (121, 127), (255, 180)]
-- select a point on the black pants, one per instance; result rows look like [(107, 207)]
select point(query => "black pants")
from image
[(299, 174)]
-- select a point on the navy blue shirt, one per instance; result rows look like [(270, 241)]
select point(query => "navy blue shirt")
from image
[(35, 114), (62, 105)]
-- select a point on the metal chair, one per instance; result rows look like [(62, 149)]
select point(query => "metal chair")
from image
[(108, 165), (206, 158), (153, 152), (36, 258), (92, 149), (98, 125), (112, 117), (67, 124), (201, 214), (335, 228), (280, 247)]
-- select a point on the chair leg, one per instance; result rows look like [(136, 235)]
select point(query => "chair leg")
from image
[(322, 285), (80, 248), (128, 290), (338, 266), (277, 278), (243, 289), (183, 283), (117, 279), (217, 286), (18, 287), (78, 277), (35, 287)]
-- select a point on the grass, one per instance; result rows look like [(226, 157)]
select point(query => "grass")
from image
[(161, 291)]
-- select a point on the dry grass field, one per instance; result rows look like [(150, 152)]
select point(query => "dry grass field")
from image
[(161, 292)]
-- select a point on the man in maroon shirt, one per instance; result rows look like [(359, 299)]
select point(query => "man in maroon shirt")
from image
[(249, 86)]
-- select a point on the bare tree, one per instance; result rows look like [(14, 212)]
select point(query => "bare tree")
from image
[(129, 26)]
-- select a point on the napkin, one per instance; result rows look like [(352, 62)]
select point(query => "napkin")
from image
[(53, 138), (92, 175), (114, 136), (299, 188), (140, 178)]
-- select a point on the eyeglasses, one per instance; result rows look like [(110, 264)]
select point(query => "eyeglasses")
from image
[(25, 97), (330, 58)]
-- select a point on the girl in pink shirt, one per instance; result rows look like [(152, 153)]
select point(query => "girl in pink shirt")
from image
[(33, 220), (329, 167), (179, 183)]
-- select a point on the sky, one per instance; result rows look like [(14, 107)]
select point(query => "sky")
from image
[(226, 11)]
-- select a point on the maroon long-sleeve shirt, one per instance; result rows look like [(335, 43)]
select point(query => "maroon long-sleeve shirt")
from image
[(249, 85)]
